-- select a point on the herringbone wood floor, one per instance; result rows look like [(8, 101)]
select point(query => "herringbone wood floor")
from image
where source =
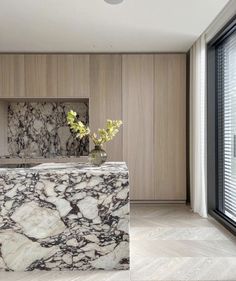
[(168, 242)]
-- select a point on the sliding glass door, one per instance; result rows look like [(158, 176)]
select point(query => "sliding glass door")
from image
[(226, 98), (221, 126)]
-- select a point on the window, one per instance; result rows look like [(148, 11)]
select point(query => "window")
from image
[(226, 99), (222, 126)]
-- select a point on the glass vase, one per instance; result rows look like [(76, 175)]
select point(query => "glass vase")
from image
[(97, 156)]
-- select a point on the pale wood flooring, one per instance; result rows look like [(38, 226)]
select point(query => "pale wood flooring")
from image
[(169, 243)]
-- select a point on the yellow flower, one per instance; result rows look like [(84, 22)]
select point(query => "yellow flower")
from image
[(77, 126), (104, 135)]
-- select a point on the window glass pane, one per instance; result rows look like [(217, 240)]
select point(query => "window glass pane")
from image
[(226, 115)]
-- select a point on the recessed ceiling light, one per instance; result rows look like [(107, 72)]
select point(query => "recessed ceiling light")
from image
[(113, 2)]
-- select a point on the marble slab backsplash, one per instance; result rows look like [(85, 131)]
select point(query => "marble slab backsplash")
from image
[(39, 129)]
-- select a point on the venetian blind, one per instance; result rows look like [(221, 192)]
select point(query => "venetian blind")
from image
[(226, 92)]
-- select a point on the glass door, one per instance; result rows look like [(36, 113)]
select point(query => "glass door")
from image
[(226, 125)]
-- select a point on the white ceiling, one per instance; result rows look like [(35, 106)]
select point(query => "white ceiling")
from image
[(95, 26)]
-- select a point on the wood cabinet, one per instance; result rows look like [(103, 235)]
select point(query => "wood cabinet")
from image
[(154, 114), (73, 76), (106, 98), (146, 91), (44, 76), (40, 76), (12, 79), (170, 127), (138, 98)]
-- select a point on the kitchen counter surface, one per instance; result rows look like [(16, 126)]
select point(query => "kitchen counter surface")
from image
[(64, 216), (114, 167), (38, 160)]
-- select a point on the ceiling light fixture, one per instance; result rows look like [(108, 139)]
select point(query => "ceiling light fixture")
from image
[(114, 2)]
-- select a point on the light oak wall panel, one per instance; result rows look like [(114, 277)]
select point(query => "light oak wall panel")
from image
[(12, 76), (146, 91), (138, 93), (52, 77), (170, 127), (106, 98), (73, 76), (40, 76)]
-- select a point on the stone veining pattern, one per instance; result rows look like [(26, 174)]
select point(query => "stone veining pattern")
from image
[(40, 129), (64, 217)]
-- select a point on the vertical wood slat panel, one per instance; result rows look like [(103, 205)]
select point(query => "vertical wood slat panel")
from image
[(137, 82), (106, 98), (170, 127)]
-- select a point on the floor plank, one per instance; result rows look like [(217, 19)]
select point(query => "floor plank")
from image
[(169, 242)]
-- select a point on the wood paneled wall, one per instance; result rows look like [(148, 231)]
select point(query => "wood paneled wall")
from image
[(147, 91), (40, 76), (12, 78), (106, 98), (73, 76), (170, 127), (138, 98), (44, 76)]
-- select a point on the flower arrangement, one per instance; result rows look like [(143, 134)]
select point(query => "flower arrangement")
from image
[(99, 138)]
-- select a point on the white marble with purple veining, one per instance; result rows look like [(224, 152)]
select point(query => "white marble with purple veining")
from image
[(64, 217), (40, 129)]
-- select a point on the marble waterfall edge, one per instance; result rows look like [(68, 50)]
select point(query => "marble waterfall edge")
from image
[(64, 217)]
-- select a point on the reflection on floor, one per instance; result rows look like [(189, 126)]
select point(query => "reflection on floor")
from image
[(168, 242)]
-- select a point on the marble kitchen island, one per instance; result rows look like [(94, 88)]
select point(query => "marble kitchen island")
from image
[(64, 217)]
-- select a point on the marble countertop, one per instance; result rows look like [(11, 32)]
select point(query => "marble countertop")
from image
[(38, 160), (74, 167)]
